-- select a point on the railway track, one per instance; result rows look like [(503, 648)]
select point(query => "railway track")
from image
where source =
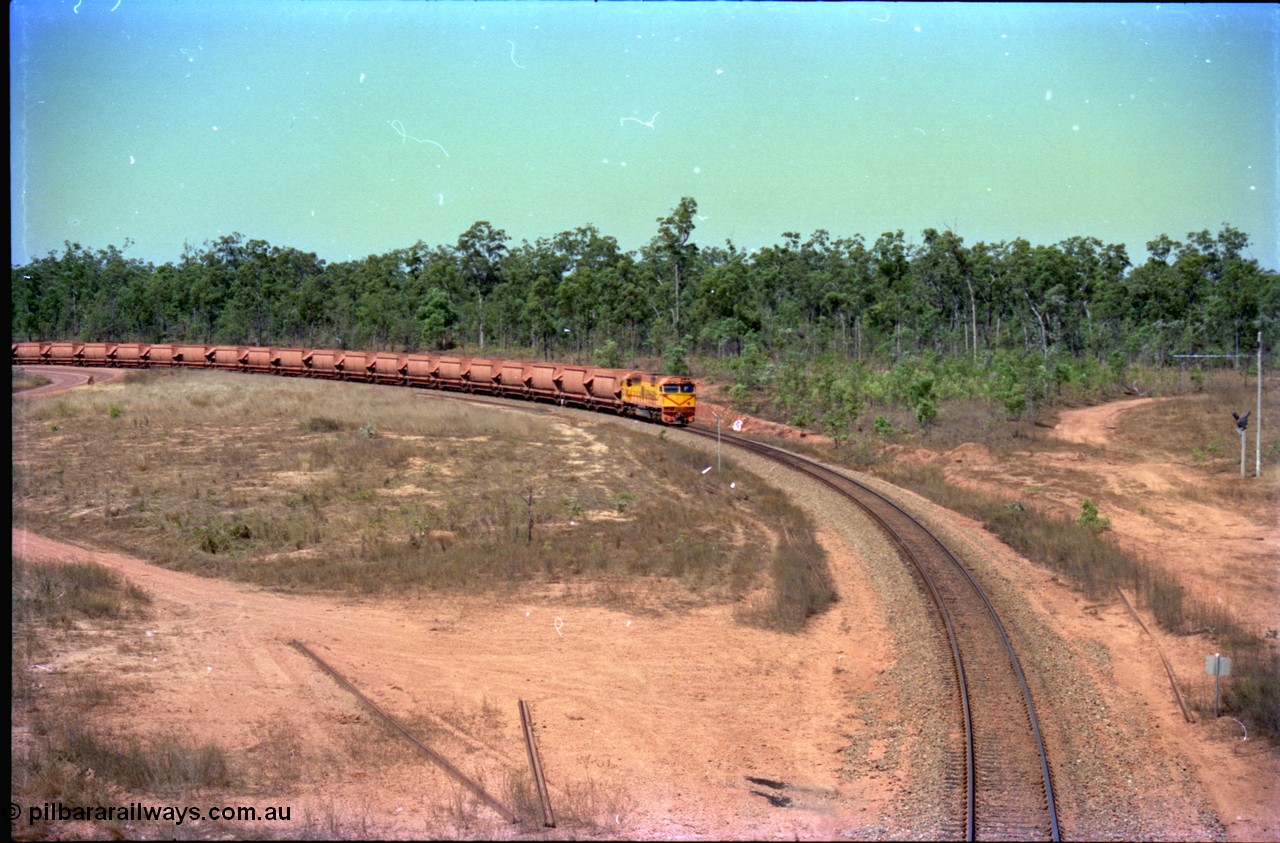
[(1001, 774)]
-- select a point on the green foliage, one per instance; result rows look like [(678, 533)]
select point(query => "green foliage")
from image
[(438, 318), (1089, 518), (609, 355), (934, 306), (920, 394), (673, 360), (749, 367)]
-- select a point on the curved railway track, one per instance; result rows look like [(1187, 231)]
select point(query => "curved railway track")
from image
[(1001, 774)]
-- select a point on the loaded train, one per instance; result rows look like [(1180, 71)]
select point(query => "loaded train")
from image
[(667, 399)]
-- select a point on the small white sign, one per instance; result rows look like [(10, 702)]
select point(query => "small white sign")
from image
[(737, 424), (1217, 665)]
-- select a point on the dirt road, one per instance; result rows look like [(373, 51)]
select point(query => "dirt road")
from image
[(655, 724)]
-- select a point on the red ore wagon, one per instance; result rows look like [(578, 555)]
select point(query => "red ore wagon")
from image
[(482, 375), (162, 355), (257, 359), (323, 363), (420, 369), (288, 361), (130, 354), (192, 355), (513, 379), (63, 352), (27, 352), (225, 356), (95, 354), (387, 367)]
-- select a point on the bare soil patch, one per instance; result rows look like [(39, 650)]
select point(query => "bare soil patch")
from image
[(1191, 516), (662, 723)]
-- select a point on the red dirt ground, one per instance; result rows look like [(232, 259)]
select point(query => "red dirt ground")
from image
[(661, 715)]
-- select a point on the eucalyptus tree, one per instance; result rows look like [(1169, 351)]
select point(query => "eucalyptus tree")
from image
[(265, 296), (535, 270), (671, 256), (25, 300), (49, 296), (380, 303), (847, 290), (331, 305), (1224, 289), (944, 270), (1157, 300), (726, 306), (121, 306), (588, 263), (989, 293), (206, 278), (480, 251), (893, 293), (777, 274)]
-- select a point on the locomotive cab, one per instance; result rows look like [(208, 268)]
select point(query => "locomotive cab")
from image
[(670, 399)]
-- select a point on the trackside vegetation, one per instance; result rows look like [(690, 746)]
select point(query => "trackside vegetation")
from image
[(351, 488), (577, 294), (1097, 566), (878, 342)]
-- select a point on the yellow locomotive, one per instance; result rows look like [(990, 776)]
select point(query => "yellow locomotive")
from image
[(669, 399)]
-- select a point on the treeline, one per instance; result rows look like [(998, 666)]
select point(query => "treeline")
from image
[(579, 295)]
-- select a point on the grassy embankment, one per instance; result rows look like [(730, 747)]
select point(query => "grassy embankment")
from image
[(56, 755), (338, 488), (80, 663), (1196, 430), (349, 488), (26, 379)]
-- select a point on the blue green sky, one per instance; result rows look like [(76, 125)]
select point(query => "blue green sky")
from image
[(349, 128)]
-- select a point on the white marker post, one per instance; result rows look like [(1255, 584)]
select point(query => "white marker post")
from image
[(1217, 665), (1244, 437), (718, 417)]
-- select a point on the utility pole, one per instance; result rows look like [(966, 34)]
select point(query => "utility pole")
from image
[(1257, 465)]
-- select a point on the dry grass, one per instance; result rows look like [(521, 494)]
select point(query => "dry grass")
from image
[(347, 488), (26, 379), (61, 754), (57, 755), (1197, 431), (350, 488)]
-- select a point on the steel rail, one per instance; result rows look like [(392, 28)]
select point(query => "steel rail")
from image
[(841, 483), (535, 764), (833, 479), (1168, 668)]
